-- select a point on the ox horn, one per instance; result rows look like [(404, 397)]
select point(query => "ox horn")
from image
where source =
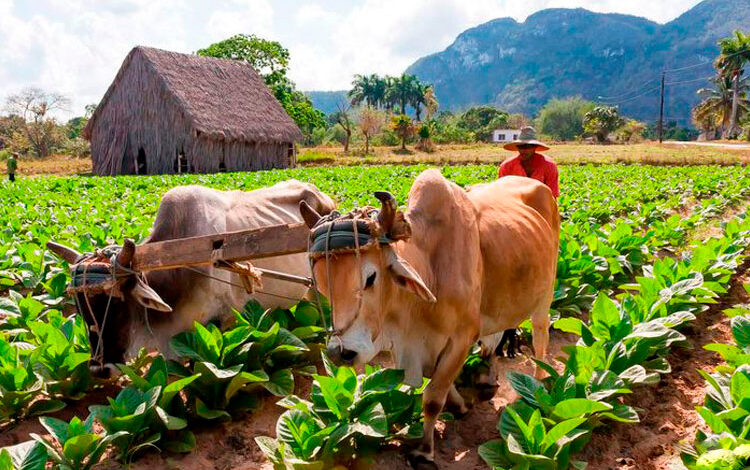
[(125, 257), (309, 215), (68, 254), (387, 211)]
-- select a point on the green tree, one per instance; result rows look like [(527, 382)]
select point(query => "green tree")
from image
[(601, 121), (403, 127), (271, 60), (734, 55), (714, 111), (482, 120), (562, 119)]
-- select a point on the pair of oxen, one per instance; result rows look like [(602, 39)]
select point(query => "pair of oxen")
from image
[(456, 267)]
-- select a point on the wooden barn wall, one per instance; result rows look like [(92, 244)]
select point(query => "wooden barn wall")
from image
[(141, 114), (238, 155)]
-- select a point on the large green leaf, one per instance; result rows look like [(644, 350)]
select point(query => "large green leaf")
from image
[(29, 455), (526, 386), (741, 331), (280, 383), (578, 407), (560, 430), (382, 380)]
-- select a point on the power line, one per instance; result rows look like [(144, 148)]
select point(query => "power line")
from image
[(679, 69), (651, 90), (690, 81), (622, 95), (687, 67)]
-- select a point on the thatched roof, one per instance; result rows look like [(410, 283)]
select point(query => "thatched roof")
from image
[(223, 99)]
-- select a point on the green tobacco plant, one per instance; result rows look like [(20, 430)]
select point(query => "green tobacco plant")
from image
[(29, 455), (171, 407), (530, 441), (347, 415), (143, 422), (736, 354), (74, 445), (61, 356), (726, 412), (234, 365), (21, 386)]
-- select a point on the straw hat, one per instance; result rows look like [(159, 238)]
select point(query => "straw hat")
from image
[(526, 137)]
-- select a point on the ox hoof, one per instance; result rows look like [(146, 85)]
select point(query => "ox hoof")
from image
[(486, 392), (457, 411), (419, 461)]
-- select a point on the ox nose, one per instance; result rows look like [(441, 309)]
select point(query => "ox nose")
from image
[(339, 354)]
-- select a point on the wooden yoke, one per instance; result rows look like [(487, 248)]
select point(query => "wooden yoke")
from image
[(276, 240)]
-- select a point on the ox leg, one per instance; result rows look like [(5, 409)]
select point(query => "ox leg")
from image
[(435, 395), (456, 402), (540, 334)]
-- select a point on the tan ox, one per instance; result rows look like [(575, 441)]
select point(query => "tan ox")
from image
[(475, 263)]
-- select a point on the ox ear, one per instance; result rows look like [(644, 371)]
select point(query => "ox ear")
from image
[(148, 297), (309, 215), (407, 277)]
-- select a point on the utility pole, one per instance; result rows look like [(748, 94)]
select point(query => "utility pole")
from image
[(661, 109)]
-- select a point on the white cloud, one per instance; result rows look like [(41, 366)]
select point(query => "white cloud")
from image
[(76, 46)]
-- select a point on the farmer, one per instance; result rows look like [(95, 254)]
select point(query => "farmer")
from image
[(12, 164), (528, 162)]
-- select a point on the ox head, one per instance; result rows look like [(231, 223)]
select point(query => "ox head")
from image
[(111, 309), (368, 289)]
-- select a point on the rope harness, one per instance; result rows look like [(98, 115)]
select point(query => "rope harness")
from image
[(100, 273), (337, 234)]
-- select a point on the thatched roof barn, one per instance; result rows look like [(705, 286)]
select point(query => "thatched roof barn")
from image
[(175, 113)]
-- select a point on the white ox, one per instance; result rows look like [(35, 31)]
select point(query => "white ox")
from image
[(150, 313), (477, 263)]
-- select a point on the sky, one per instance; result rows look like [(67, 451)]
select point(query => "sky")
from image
[(75, 47)]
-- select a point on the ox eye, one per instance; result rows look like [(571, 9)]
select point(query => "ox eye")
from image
[(370, 280)]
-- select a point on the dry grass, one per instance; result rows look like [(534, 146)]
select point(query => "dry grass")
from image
[(563, 153), (54, 165)]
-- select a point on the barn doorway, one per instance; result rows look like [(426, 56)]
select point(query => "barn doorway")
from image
[(181, 163), (140, 163)]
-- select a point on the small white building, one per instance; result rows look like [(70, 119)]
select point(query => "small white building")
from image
[(505, 135)]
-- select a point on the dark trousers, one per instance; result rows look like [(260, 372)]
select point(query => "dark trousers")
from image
[(12, 177)]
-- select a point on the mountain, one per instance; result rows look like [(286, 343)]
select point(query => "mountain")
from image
[(328, 101), (565, 52)]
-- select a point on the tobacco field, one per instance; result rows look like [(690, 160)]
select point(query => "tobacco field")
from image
[(645, 252)]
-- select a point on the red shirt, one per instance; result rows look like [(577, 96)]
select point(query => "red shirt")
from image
[(542, 169)]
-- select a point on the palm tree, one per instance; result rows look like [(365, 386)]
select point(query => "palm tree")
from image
[(418, 97), (735, 53), (362, 90), (716, 108), (402, 91)]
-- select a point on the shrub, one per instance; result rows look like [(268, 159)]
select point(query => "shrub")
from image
[(601, 121), (562, 119)]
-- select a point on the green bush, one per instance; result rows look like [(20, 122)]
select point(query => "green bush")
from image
[(562, 119)]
